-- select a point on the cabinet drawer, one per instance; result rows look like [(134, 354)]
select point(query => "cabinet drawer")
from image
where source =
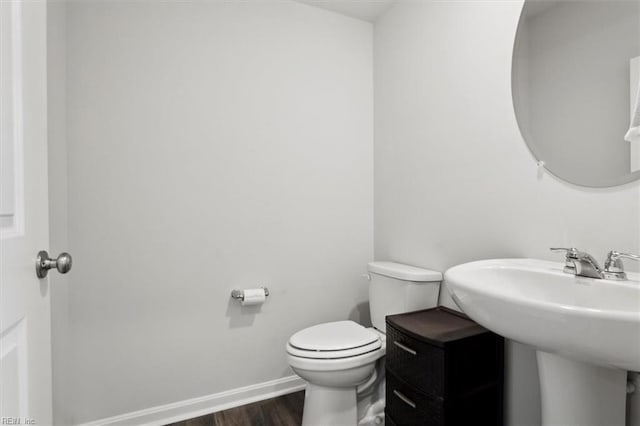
[(417, 363), (409, 407), (455, 370)]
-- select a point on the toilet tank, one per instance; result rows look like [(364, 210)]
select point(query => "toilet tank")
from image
[(395, 288)]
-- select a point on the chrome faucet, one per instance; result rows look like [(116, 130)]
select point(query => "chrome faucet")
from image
[(582, 264)]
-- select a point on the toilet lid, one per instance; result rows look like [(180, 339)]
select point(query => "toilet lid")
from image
[(334, 336)]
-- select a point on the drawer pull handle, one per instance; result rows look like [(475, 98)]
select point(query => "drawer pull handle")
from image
[(404, 399), (405, 348)]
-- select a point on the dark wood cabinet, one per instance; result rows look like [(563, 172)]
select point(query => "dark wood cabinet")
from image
[(443, 369)]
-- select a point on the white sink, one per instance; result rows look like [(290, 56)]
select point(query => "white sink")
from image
[(534, 302), (586, 331)]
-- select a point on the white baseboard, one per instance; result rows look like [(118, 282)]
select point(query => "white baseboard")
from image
[(190, 408)]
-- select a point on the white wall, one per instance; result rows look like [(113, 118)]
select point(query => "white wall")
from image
[(58, 202), (211, 146), (454, 181)]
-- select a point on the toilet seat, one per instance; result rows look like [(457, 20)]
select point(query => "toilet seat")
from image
[(329, 355), (333, 340), (335, 364)]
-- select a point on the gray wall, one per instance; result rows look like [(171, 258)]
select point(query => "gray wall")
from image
[(211, 146), (454, 181)]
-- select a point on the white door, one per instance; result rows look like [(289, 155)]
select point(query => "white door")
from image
[(25, 336)]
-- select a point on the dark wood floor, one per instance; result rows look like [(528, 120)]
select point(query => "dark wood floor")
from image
[(284, 410)]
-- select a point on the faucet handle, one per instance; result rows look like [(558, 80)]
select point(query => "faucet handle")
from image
[(613, 267), (572, 253)]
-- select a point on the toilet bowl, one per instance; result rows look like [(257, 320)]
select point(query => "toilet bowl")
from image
[(343, 361), (338, 360)]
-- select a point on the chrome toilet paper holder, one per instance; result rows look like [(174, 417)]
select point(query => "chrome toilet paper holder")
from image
[(239, 294)]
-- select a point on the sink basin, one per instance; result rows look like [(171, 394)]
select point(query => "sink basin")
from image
[(534, 302), (586, 331)]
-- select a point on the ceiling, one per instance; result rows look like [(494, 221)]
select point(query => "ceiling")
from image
[(367, 10)]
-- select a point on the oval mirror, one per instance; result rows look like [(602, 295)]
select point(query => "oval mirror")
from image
[(575, 78)]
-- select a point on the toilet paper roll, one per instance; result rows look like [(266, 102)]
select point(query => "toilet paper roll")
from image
[(254, 296)]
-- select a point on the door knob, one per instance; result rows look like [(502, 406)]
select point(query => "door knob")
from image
[(43, 263)]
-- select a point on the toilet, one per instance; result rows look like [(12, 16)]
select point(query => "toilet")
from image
[(343, 362)]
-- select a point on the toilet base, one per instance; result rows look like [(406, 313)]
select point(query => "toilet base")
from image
[(329, 406)]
